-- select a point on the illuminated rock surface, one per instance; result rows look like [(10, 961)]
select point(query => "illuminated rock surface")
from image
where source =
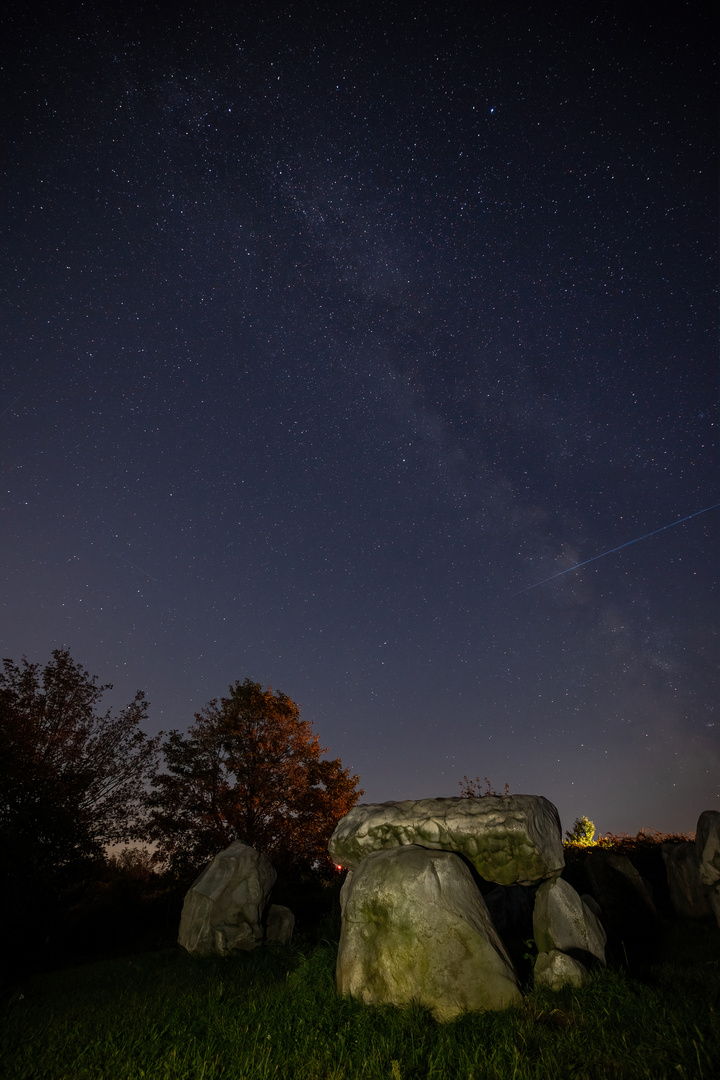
[(561, 920), (556, 969), (511, 839), (415, 928), (223, 908)]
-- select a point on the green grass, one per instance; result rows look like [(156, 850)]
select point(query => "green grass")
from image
[(274, 1013)]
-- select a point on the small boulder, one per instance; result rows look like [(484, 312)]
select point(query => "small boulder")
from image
[(415, 928), (279, 924), (556, 969), (689, 897), (509, 839), (223, 908), (562, 920)]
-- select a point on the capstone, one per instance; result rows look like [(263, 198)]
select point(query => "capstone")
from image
[(511, 839)]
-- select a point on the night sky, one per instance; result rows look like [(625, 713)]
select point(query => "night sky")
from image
[(329, 329)]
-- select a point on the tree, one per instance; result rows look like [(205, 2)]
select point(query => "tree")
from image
[(71, 779), (582, 832), (249, 769)]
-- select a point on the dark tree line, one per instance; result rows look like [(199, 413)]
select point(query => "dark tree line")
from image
[(74, 779), (71, 777)]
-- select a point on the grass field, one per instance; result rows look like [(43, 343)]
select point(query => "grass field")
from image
[(274, 1013)]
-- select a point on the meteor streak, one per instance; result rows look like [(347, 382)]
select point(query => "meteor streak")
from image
[(134, 566), (9, 407), (618, 548)]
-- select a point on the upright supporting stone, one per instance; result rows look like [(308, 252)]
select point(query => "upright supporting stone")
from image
[(563, 921), (415, 928)]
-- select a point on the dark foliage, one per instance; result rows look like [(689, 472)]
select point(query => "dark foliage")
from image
[(71, 781), (123, 906)]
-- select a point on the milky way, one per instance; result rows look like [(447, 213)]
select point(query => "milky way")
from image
[(327, 331)]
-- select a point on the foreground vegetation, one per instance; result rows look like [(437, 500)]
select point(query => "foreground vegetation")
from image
[(274, 1013)]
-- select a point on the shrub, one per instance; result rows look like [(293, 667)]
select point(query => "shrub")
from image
[(582, 832)]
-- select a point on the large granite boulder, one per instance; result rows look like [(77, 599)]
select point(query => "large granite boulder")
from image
[(510, 839), (415, 928), (224, 907), (688, 895), (563, 921)]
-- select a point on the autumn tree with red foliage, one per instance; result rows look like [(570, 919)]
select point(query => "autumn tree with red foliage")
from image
[(249, 769)]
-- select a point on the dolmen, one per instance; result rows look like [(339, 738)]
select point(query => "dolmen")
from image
[(415, 926), (226, 908)]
